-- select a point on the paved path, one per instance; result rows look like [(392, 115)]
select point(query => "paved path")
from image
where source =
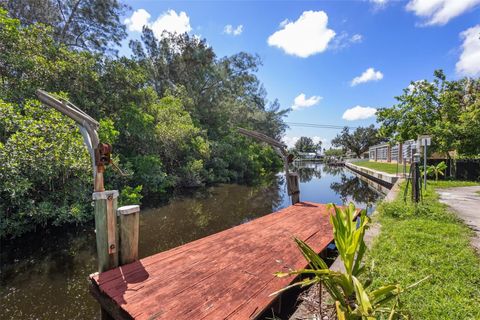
[(465, 201)]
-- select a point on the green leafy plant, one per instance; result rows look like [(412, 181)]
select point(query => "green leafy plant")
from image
[(131, 195), (352, 299), (437, 170)]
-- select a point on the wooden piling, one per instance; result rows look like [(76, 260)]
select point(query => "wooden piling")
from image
[(294, 187), (106, 229), (129, 229)]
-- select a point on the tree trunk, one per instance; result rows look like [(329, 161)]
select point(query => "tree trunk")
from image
[(69, 20), (451, 166)]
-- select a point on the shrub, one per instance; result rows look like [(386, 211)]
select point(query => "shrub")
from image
[(352, 299), (130, 195), (45, 172)]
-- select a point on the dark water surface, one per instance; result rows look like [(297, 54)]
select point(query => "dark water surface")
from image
[(44, 276)]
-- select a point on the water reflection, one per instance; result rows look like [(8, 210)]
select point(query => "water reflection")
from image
[(200, 214), (307, 171), (333, 170), (44, 275), (351, 188)]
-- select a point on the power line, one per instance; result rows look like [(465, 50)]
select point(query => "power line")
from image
[(320, 126)]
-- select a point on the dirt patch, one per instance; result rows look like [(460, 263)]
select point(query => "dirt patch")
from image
[(310, 303)]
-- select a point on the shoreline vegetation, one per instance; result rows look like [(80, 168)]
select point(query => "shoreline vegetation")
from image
[(170, 111), (427, 240)]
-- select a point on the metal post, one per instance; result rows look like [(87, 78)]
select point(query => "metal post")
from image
[(425, 163), (416, 178)]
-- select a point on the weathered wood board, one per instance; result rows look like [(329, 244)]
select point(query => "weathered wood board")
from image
[(228, 275)]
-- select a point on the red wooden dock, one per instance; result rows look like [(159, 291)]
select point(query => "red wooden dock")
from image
[(226, 275)]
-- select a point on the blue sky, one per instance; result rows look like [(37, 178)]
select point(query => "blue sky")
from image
[(313, 50)]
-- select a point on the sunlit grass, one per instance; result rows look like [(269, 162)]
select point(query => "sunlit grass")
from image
[(382, 166), (428, 240), (451, 184)]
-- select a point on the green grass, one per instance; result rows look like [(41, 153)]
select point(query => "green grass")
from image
[(451, 183), (381, 166), (428, 240)]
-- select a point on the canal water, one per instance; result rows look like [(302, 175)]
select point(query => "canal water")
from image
[(44, 275)]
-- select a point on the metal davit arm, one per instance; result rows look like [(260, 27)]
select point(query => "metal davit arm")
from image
[(88, 128), (281, 150)]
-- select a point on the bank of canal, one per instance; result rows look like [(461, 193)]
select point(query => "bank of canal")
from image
[(44, 276)]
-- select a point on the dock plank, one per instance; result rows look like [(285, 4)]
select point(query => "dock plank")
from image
[(225, 275)]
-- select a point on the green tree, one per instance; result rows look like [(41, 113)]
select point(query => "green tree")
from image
[(334, 152), (447, 110), (45, 176), (218, 94), (92, 25), (305, 144), (166, 131), (438, 170), (358, 141), (222, 93), (469, 118), (30, 59)]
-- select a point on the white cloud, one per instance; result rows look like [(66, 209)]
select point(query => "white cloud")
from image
[(306, 36), (301, 101), (137, 20), (290, 141), (172, 22), (169, 20), (344, 40), (379, 4), (356, 38), (469, 62), (368, 75), (359, 113), (229, 29), (439, 12), (317, 139)]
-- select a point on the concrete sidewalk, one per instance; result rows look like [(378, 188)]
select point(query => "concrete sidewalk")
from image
[(465, 202)]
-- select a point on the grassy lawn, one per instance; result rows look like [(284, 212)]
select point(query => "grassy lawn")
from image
[(451, 184), (381, 166), (428, 240)]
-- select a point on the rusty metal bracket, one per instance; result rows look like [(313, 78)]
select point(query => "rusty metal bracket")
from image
[(103, 154)]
